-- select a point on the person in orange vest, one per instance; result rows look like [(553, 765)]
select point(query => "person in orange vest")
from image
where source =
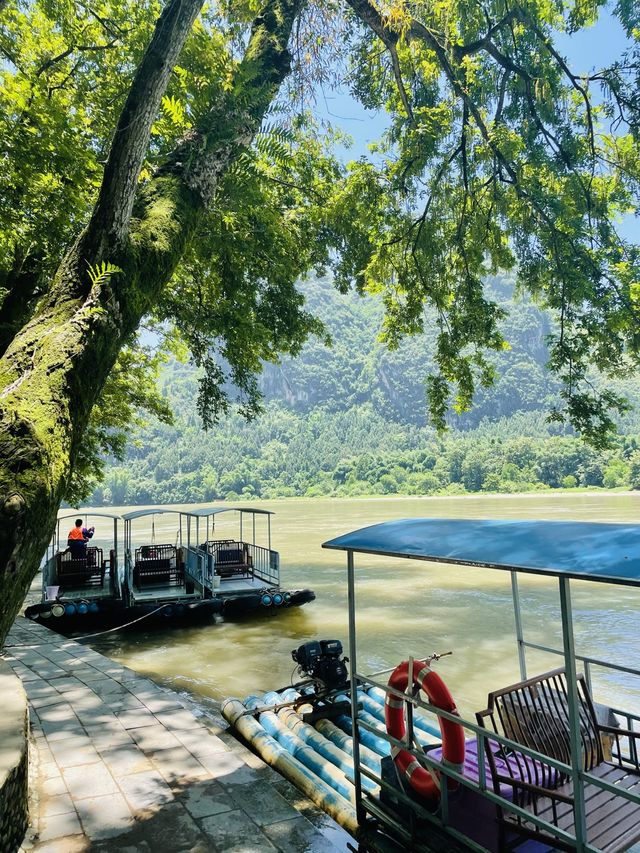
[(77, 540)]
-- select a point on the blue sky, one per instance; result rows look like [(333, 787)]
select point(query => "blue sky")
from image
[(586, 51)]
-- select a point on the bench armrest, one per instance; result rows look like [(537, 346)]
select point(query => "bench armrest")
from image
[(613, 730), (534, 789)]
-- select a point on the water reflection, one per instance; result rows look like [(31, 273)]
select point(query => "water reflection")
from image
[(403, 607)]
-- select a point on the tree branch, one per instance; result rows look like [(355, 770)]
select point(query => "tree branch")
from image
[(232, 122), (481, 44), (112, 213), (82, 48)]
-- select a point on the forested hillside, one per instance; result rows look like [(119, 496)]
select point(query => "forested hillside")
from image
[(352, 420)]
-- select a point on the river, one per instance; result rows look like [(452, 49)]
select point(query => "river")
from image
[(403, 607)]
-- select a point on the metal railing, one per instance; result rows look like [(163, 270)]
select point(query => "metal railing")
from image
[(372, 804), (195, 566), (266, 565), (261, 563)]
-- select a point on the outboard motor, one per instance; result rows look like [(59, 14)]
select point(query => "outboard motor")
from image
[(321, 660)]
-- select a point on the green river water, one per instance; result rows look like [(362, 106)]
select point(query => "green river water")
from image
[(403, 607)]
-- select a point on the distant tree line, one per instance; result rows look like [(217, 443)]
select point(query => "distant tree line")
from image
[(360, 453), (352, 420)]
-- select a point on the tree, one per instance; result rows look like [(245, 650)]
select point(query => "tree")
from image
[(497, 155), (56, 364), (634, 472)]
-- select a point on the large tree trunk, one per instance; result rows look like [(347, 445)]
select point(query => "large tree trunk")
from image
[(53, 371)]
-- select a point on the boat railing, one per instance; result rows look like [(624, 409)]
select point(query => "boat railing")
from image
[(196, 566), (374, 804), (233, 557), (49, 574), (266, 565)]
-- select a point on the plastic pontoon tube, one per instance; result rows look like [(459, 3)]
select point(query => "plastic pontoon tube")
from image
[(371, 702), (326, 728), (274, 754), (305, 754), (342, 740), (375, 743), (328, 750)]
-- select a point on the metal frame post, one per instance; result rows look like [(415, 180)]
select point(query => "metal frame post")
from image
[(568, 641), (515, 592), (353, 660)]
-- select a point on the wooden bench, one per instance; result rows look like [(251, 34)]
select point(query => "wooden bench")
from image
[(232, 558), (157, 565), (79, 572), (534, 713)]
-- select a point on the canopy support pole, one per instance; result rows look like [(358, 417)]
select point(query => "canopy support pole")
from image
[(519, 630), (353, 661), (568, 641)]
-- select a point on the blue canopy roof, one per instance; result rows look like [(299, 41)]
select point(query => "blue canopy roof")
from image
[(81, 513), (214, 510), (590, 551), (203, 512)]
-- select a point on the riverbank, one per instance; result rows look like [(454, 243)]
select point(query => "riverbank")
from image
[(122, 764)]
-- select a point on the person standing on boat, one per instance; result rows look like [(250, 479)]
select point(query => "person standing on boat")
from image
[(77, 540)]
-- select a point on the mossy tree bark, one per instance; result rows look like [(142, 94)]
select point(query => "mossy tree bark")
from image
[(55, 367)]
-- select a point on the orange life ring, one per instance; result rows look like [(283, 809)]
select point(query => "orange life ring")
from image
[(424, 782)]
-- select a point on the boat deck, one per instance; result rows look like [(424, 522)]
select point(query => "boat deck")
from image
[(240, 585), (87, 592), (164, 593)]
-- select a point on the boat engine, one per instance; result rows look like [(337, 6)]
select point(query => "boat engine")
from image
[(321, 661)]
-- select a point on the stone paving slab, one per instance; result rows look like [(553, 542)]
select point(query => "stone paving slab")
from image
[(126, 766)]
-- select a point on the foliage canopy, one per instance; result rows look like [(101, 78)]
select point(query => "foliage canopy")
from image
[(498, 156)]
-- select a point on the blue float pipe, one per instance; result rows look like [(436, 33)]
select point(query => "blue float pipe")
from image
[(363, 715), (377, 744), (273, 753), (376, 697), (342, 740), (324, 747), (298, 748), (329, 730)]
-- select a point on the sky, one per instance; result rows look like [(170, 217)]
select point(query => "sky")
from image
[(586, 51)]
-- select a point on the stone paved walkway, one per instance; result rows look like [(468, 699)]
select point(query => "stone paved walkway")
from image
[(125, 765)]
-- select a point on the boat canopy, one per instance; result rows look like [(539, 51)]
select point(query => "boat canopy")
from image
[(608, 553), (205, 512), (158, 510), (82, 513)]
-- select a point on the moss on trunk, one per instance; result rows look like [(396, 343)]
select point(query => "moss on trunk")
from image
[(54, 370)]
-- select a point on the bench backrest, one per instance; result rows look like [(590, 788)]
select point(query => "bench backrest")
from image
[(152, 567), (212, 546), (230, 555), (535, 713), (150, 554), (90, 564)]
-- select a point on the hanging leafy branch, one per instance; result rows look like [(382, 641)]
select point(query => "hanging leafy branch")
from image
[(499, 156)]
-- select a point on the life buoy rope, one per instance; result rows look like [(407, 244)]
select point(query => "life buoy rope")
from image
[(424, 782)]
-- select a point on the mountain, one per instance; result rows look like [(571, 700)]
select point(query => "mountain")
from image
[(352, 419)]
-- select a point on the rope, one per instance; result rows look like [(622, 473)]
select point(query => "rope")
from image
[(119, 627), (87, 636)]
